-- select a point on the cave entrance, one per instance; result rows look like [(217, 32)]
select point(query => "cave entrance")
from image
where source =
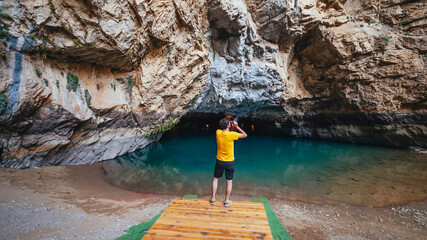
[(208, 123)]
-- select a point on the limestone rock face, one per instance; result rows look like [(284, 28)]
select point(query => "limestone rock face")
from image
[(86, 81), (91, 80), (350, 71)]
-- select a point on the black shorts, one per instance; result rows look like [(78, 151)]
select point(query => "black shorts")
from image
[(220, 166)]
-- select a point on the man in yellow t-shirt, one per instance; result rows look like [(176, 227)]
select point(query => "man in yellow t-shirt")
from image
[(225, 156)]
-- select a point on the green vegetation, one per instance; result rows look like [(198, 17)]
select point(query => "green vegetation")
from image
[(407, 32), (200, 40), (3, 103), (44, 55), (98, 74), (3, 28), (62, 73), (88, 98), (4, 15), (46, 82), (113, 86), (97, 86), (44, 42), (79, 18), (289, 31), (277, 125), (164, 127), (213, 57), (52, 7), (169, 50), (72, 82), (77, 42), (57, 84), (387, 39), (65, 64), (370, 22), (130, 85), (38, 73), (405, 11), (361, 25)]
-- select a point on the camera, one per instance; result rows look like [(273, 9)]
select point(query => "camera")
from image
[(232, 118)]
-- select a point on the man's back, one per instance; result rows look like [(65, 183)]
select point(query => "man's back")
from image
[(225, 144)]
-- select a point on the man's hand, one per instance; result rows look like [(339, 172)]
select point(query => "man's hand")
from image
[(242, 133)]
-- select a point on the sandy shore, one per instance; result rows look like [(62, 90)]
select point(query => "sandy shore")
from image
[(76, 202)]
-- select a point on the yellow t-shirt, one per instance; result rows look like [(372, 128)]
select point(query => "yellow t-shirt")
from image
[(225, 143)]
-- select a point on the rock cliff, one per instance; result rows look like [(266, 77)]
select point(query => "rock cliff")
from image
[(85, 81)]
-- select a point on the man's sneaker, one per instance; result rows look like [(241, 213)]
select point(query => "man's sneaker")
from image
[(227, 203), (212, 201)]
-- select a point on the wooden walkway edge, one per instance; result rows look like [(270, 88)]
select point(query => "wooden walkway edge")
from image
[(197, 219)]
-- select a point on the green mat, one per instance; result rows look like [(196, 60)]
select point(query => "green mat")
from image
[(136, 232), (277, 229), (190, 196)]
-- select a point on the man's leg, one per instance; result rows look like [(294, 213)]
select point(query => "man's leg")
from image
[(214, 186), (229, 187)]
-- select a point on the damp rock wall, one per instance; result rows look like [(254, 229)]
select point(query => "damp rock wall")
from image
[(86, 81)]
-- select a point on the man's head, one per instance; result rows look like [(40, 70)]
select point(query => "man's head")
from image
[(224, 123)]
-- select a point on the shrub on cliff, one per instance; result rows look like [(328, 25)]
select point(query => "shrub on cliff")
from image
[(3, 103), (88, 98), (72, 82)]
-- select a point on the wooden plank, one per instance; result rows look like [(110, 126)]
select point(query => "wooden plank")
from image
[(174, 235), (202, 202), (210, 228), (217, 224), (220, 215), (208, 218), (210, 232), (219, 206), (233, 207), (197, 219), (223, 212)]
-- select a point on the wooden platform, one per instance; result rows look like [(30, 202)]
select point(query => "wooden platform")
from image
[(197, 219)]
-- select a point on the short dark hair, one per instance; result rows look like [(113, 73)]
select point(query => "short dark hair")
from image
[(223, 123)]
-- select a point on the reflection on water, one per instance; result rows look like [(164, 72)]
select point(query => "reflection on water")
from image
[(277, 167)]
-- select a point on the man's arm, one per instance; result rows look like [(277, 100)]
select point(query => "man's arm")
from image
[(242, 133)]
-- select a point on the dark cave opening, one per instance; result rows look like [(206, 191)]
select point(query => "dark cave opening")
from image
[(208, 123)]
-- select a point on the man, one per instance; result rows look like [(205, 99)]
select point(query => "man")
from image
[(225, 156)]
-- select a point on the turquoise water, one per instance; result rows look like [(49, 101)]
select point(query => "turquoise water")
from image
[(277, 167)]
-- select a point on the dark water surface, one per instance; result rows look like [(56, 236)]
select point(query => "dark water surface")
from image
[(277, 167)]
